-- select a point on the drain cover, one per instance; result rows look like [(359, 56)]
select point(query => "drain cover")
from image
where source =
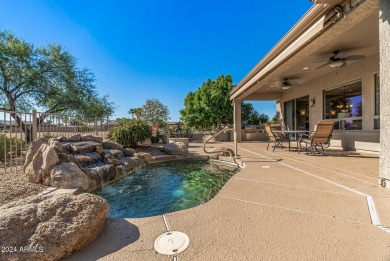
[(171, 243)]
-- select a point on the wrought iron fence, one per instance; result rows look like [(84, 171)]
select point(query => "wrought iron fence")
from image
[(19, 129)]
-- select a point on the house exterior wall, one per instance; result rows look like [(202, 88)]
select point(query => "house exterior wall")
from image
[(364, 70), (384, 47)]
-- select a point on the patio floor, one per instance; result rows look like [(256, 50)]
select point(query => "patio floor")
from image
[(281, 206)]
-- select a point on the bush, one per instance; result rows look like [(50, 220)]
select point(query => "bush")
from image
[(155, 139), (130, 131), (10, 147)]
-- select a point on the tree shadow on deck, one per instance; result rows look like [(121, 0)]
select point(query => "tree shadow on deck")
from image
[(117, 234)]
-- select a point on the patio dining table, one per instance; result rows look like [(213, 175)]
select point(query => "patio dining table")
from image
[(288, 134)]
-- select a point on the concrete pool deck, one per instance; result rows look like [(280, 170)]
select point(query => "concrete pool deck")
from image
[(281, 206)]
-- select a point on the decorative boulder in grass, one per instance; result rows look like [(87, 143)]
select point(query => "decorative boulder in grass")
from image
[(220, 151), (176, 148), (50, 227)]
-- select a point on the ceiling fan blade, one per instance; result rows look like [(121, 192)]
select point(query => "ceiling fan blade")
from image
[(355, 57), (319, 67), (323, 61)]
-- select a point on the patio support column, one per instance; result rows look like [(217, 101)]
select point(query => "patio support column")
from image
[(384, 57), (237, 119)]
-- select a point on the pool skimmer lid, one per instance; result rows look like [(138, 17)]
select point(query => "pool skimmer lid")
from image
[(171, 243)]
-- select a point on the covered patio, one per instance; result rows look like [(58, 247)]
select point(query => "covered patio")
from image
[(332, 65)]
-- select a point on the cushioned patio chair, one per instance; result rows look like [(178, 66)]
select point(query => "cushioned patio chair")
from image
[(276, 137), (318, 139)]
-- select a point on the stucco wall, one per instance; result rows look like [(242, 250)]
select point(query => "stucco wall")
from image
[(364, 70), (384, 45)]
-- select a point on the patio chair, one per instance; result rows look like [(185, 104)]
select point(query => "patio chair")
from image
[(276, 138), (318, 139)]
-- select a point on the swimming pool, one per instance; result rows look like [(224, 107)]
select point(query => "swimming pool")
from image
[(165, 187)]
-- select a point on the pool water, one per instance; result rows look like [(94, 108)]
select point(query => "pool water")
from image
[(165, 187)]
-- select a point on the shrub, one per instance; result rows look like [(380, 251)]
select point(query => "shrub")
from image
[(155, 139), (10, 147), (130, 131)]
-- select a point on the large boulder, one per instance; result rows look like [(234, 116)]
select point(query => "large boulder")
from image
[(110, 144), (128, 152), (75, 138), (82, 146), (69, 175), (53, 225), (87, 158), (130, 163), (102, 173), (88, 137), (146, 157), (177, 148), (40, 159), (220, 151), (116, 153)]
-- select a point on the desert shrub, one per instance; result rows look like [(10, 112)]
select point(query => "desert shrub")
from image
[(10, 147), (157, 138), (130, 131)]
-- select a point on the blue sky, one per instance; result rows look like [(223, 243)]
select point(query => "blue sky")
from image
[(156, 49)]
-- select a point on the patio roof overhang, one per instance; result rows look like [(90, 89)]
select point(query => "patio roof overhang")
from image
[(316, 35)]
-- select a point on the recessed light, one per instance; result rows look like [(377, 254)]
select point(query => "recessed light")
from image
[(305, 68), (271, 86)]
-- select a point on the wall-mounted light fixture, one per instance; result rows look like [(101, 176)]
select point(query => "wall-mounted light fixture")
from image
[(312, 102)]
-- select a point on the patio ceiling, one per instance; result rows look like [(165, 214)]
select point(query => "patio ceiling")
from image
[(357, 34)]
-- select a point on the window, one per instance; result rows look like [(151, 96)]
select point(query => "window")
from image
[(344, 104), (377, 102)]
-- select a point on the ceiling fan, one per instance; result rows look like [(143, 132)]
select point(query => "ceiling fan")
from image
[(339, 60), (286, 84)]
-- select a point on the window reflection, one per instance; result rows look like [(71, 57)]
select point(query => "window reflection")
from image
[(344, 102)]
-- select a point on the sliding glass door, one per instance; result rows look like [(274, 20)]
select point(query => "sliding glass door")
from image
[(296, 114)]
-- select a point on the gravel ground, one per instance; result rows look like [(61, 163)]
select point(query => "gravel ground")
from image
[(14, 186)]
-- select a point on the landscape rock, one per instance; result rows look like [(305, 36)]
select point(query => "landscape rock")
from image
[(110, 144), (111, 159), (116, 153), (56, 145), (57, 225), (128, 152), (146, 157), (39, 164), (146, 142), (83, 146), (102, 173), (100, 150), (131, 163), (177, 148), (75, 138), (87, 158), (61, 139), (220, 151), (69, 175), (89, 137)]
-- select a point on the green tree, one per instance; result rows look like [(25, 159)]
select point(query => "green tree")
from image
[(264, 118), (154, 111), (210, 105), (137, 112), (46, 77), (249, 115)]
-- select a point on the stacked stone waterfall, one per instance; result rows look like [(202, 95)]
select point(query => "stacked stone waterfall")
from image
[(79, 161)]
